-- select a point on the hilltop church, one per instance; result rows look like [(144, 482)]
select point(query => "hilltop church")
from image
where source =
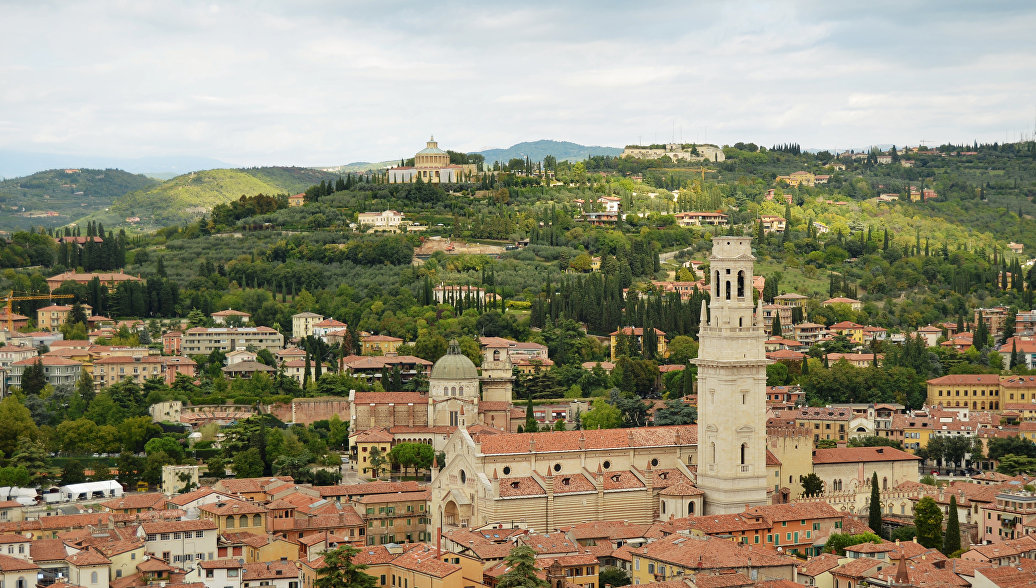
[(431, 166)]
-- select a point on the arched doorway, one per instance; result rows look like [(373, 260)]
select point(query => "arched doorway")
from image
[(450, 514)]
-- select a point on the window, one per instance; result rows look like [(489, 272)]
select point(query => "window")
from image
[(93, 577), (231, 573), (257, 521)]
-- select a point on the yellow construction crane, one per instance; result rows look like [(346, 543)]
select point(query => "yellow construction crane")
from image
[(10, 298)]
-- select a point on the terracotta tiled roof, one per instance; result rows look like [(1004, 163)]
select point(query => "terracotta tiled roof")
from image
[(389, 398), (88, 557), (819, 564), (966, 380), (595, 439), (154, 564), (860, 454), (522, 486), (375, 435), (795, 511), (245, 538), (681, 489), (175, 526), (248, 485), (16, 564), (607, 530), (232, 507), (727, 580), (550, 543), (369, 488), (270, 570), (858, 568), (572, 483), (424, 560), (697, 553), (152, 500), (183, 499), (220, 564), (47, 550)]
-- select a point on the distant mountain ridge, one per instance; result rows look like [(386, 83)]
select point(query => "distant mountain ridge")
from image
[(190, 196), (56, 197), (22, 163), (537, 150)]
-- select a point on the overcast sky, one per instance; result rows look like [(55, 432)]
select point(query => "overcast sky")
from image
[(315, 82)]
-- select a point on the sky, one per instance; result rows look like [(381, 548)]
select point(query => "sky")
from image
[(327, 82)]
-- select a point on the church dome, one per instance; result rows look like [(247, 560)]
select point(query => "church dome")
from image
[(431, 148), (454, 365)]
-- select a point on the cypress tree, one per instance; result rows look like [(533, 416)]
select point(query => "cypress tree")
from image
[(776, 330), (951, 540), (530, 417), (981, 335), (874, 508)]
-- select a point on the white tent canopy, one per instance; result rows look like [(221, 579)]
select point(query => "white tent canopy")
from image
[(23, 496), (90, 490)]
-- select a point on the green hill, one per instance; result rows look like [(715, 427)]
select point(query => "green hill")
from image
[(537, 150), (192, 195), (56, 197)]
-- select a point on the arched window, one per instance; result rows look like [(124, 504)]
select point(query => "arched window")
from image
[(243, 521), (453, 391), (690, 507), (496, 355), (462, 390), (663, 507), (712, 447), (741, 284), (21, 582), (717, 284), (728, 289), (744, 450), (257, 521), (884, 483), (230, 522)]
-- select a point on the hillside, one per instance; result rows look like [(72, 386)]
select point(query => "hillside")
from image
[(537, 150), (191, 195), (56, 197)]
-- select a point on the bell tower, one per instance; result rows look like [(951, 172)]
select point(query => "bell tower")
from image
[(731, 384)]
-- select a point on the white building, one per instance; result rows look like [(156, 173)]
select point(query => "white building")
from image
[(385, 220), (180, 543), (218, 573), (202, 340), (609, 203), (732, 384)]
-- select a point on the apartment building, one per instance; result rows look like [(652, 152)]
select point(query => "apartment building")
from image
[(203, 340)]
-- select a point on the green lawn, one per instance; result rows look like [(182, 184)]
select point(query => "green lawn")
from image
[(794, 280)]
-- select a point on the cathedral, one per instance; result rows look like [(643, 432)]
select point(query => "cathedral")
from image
[(550, 479)]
